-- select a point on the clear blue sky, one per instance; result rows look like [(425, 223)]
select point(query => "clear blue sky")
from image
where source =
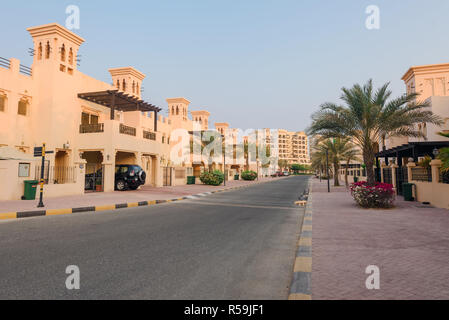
[(252, 63)]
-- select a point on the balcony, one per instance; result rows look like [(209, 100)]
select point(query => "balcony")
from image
[(92, 128), (149, 135), (130, 131)]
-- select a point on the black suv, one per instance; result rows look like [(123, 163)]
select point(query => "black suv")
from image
[(126, 177), (129, 176)]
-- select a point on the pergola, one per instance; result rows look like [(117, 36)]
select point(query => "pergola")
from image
[(119, 101), (412, 150)]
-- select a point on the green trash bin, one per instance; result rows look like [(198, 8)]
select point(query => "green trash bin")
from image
[(407, 191), (356, 179), (237, 177), (30, 189), (191, 180)]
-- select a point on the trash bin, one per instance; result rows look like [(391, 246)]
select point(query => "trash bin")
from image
[(356, 179), (191, 180), (30, 189), (237, 177), (407, 191)]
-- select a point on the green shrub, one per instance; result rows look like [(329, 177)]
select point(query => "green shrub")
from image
[(214, 178), (249, 175)]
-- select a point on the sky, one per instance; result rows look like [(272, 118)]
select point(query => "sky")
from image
[(251, 63)]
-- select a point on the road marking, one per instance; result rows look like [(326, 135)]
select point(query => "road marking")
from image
[(241, 205)]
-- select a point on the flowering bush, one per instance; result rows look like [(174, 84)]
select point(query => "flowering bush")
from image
[(212, 178), (381, 195), (249, 175)]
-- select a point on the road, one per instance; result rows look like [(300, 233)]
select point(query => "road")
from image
[(232, 245)]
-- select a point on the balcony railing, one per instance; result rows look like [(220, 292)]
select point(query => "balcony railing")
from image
[(25, 70), (444, 177), (5, 63), (92, 128), (149, 135), (421, 174), (127, 130)]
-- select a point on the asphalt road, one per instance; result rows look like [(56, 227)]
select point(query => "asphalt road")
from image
[(232, 245)]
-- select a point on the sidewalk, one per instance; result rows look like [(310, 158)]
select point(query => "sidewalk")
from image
[(410, 245), (145, 193)]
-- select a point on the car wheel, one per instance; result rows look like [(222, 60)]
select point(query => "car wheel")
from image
[(134, 188), (120, 185)]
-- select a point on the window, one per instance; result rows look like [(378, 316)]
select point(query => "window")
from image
[(118, 84), (71, 56), (87, 118), (2, 103), (22, 107), (47, 50), (63, 53), (124, 85), (39, 51)]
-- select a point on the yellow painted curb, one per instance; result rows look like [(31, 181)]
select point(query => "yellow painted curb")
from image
[(152, 202), (307, 227), (58, 212), (133, 205), (299, 296), (105, 208), (10, 215), (305, 242), (303, 264)]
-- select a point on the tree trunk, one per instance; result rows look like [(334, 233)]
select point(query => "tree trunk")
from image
[(368, 158), (346, 177), (336, 180)]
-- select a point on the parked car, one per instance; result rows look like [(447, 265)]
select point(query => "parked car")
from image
[(286, 173), (278, 174), (126, 177), (129, 177)]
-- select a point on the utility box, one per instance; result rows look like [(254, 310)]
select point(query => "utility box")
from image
[(191, 180), (30, 189), (407, 191)]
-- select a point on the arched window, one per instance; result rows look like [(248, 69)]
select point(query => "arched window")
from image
[(124, 85), (177, 110), (71, 56), (134, 87), (173, 110), (39, 51), (118, 84), (63, 53), (137, 91), (47, 50)]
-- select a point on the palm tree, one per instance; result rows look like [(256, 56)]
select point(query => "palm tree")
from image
[(282, 164), (370, 116), (338, 149), (444, 155)]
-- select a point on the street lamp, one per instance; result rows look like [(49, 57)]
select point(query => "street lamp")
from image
[(327, 171), (436, 152)]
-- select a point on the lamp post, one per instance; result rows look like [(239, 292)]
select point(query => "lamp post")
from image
[(327, 171)]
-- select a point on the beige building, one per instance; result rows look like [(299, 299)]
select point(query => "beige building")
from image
[(293, 147), (91, 126)]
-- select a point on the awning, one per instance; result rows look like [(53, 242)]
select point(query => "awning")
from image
[(413, 150), (119, 101)]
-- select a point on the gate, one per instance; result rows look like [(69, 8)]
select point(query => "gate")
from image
[(401, 177), (93, 181), (377, 174), (388, 175), (167, 177)]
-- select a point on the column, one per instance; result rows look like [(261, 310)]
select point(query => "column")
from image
[(435, 165), (393, 176), (410, 165)]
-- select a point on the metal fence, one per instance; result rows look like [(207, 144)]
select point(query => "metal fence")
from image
[(5, 63), (92, 128), (56, 174), (149, 135), (422, 174), (25, 70), (127, 130), (444, 177), (388, 177)]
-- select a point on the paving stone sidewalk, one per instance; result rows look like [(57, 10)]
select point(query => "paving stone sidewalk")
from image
[(145, 193), (410, 245)]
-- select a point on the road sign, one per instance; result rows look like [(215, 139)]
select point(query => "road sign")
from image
[(38, 152)]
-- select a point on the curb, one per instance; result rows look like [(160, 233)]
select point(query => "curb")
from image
[(300, 288), (56, 212)]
